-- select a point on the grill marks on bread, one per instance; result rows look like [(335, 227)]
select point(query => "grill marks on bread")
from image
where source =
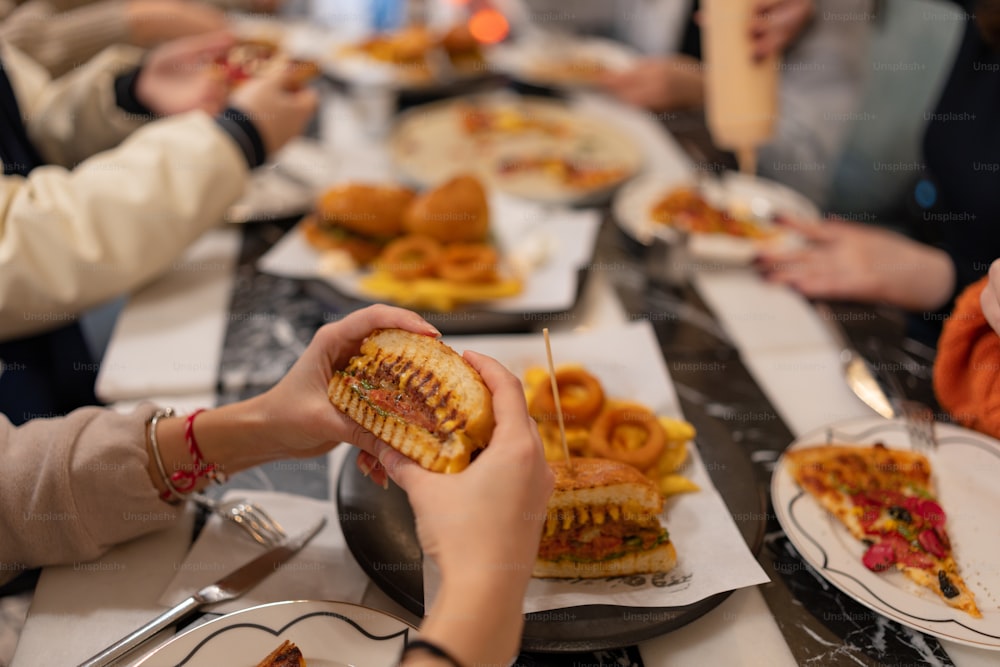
[(418, 395), (420, 390)]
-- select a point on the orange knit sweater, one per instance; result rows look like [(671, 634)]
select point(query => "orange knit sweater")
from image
[(967, 370)]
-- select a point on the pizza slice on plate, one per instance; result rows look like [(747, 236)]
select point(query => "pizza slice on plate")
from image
[(884, 497)]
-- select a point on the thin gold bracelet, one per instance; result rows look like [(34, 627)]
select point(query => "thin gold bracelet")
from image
[(171, 495)]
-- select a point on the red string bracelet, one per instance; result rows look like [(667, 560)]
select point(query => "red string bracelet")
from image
[(185, 480)]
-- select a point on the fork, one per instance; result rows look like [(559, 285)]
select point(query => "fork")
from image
[(257, 523), (919, 420), (917, 417)]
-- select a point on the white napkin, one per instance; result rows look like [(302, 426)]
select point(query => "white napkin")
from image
[(82, 608), (323, 570), (721, 637), (168, 339), (806, 386), (761, 316)]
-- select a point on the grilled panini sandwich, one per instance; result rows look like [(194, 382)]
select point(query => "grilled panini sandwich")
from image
[(602, 522), (419, 396)]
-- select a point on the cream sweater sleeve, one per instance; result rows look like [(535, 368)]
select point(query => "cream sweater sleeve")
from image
[(72, 239), (75, 116), (74, 486), (62, 40)]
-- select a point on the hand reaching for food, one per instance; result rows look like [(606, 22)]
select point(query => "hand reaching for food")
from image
[(659, 84), (776, 24), (278, 113), (485, 565), (858, 262), (180, 76), (152, 22)]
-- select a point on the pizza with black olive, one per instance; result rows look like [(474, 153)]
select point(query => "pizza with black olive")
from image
[(885, 498)]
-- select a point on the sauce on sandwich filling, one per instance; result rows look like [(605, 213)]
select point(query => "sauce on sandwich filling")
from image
[(609, 540), (405, 404)]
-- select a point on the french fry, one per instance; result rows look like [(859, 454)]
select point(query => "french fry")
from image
[(671, 485), (677, 430), (433, 293)]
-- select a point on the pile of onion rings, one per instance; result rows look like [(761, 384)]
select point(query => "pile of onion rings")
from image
[(608, 428), (412, 256), (420, 272)]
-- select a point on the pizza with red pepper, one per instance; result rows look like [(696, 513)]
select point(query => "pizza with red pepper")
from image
[(885, 498)]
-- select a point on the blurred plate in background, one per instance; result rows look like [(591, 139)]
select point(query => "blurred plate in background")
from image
[(754, 199)]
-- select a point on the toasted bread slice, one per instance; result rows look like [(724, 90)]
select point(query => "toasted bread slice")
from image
[(419, 396), (601, 521), (600, 482)]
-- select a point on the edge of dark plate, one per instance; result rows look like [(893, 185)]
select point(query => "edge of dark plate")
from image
[(372, 518)]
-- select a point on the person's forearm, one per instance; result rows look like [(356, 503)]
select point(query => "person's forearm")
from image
[(228, 437), (921, 280), (113, 223), (477, 622), (690, 83), (62, 41), (74, 486)]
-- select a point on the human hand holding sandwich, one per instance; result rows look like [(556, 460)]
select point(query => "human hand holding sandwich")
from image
[(481, 526), (293, 419)]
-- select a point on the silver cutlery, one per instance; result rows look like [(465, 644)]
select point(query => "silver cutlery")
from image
[(257, 523), (919, 420), (230, 586), (917, 416), (857, 372)]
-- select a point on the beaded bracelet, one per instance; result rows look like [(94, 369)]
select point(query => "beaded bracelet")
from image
[(432, 649)]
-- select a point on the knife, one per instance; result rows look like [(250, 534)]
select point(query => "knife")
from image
[(859, 375), (231, 586)]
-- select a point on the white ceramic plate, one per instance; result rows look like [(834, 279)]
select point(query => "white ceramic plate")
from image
[(429, 146), (329, 634), (342, 62), (965, 469), (761, 197), (561, 61)]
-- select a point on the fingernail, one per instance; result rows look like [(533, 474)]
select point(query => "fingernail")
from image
[(365, 467), (385, 483)]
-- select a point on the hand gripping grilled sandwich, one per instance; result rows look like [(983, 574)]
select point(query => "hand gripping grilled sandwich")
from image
[(602, 522), (419, 396)]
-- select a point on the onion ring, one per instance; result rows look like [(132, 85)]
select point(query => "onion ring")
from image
[(607, 440), (410, 257), (580, 395), (468, 263)]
